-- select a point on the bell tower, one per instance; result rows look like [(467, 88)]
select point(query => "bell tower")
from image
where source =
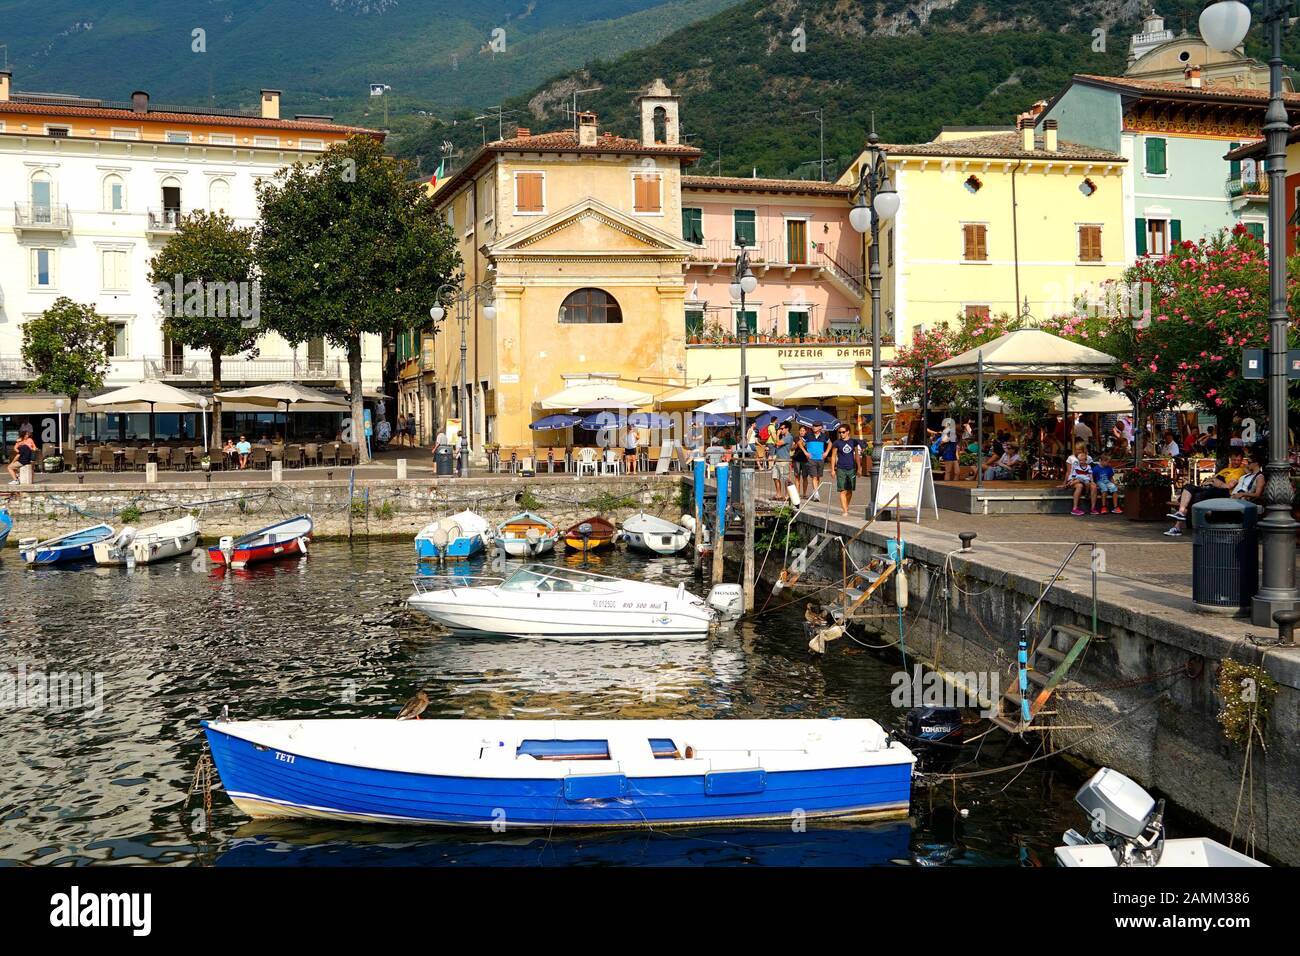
[(658, 108)]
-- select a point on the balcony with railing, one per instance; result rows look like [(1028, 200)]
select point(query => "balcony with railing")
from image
[(42, 218), (250, 369), (163, 221), (1247, 189), (818, 258), (12, 369)]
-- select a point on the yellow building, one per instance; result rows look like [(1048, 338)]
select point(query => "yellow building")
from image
[(994, 219), (579, 235)]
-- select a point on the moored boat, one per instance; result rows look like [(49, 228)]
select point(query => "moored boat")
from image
[(285, 539), (541, 600), (6, 525), (170, 539), (590, 534), (73, 548), (562, 773), (527, 535), (653, 535), (457, 536)]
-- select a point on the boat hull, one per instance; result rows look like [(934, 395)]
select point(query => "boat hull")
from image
[(524, 548), (574, 543), (660, 544), (492, 618), (457, 550), (266, 782), (243, 557), (73, 554)]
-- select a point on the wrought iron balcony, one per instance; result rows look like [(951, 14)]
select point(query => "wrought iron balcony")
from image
[(42, 218), (163, 221), (1248, 188)]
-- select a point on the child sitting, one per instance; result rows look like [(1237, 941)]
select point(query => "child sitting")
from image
[(1078, 475), (1103, 476)]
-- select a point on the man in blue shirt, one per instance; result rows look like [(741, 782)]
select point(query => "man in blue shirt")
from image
[(243, 448), (781, 459), (817, 448), (845, 458)]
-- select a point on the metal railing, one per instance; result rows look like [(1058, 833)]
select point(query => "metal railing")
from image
[(162, 219), (827, 259), (31, 215), (1247, 187), (12, 369), (257, 370)]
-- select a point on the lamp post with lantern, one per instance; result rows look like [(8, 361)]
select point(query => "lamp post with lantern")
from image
[(448, 293), (743, 283)]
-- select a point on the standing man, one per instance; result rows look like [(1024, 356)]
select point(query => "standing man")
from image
[(817, 448), (846, 458), (782, 446)]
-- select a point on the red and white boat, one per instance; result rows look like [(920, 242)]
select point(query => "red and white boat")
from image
[(286, 539)]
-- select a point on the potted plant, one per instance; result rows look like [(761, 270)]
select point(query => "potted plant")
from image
[(52, 464), (206, 462), (1148, 493)]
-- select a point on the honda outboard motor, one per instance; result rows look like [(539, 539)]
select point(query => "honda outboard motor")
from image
[(1124, 817), (227, 548), (728, 600)]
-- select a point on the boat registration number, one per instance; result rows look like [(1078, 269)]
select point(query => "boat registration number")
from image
[(285, 758)]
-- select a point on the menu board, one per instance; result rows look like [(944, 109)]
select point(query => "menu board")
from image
[(905, 474)]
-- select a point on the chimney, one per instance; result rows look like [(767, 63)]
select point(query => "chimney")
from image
[(5, 77), (1049, 134), (1027, 134), (586, 129), (139, 102), (523, 132), (1193, 77), (270, 104)]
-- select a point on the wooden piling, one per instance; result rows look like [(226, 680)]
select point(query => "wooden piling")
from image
[(747, 502)]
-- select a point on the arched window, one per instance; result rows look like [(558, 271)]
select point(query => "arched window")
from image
[(42, 194), (590, 307), (218, 195), (114, 193), (660, 122)]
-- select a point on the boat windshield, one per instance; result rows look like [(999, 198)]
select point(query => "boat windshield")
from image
[(541, 578)]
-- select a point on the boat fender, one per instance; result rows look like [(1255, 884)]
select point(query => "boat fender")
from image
[(227, 547), (900, 589), (688, 522), (793, 493), (302, 545)]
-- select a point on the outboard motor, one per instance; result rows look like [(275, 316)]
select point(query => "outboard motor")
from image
[(440, 538), (534, 537), (728, 600), (1124, 817), (227, 548), (934, 725)]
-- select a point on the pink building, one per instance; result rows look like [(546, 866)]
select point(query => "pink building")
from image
[(806, 256)]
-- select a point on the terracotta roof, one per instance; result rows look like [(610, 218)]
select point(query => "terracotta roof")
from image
[(1182, 90), (1259, 147), (169, 116), (749, 184), (1003, 146), (566, 141)]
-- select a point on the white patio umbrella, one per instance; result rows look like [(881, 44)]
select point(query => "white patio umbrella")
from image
[(730, 405), (280, 395), (706, 392), (151, 396), (596, 394), (822, 391)]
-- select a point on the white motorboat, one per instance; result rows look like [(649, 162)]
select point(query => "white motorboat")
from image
[(158, 542), (1128, 830), (653, 535), (458, 536), (539, 600)]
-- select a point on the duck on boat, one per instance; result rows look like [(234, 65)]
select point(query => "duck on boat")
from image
[(170, 539), (527, 535), (540, 600), (652, 535), (562, 773), (282, 540), (73, 548), (1128, 830), (457, 536), (590, 534)]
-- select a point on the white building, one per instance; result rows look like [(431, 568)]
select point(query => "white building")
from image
[(89, 193)]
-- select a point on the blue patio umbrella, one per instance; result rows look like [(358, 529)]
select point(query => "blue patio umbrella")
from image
[(650, 420), (714, 420), (561, 420), (767, 418), (811, 416), (601, 420)]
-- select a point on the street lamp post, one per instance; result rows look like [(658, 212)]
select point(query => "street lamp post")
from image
[(1224, 25), (463, 299), (877, 200), (743, 282)]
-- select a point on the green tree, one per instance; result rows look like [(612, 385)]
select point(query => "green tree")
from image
[(205, 280), (66, 346), (350, 246)]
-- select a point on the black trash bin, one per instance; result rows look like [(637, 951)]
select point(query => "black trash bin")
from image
[(442, 461), (1225, 553)]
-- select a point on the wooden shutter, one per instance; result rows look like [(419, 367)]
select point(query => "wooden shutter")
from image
[(976, 242), (978, 311), (528, 192), (1156, 164), (1141, 237), (645, 195), (1175, 231), (1090, 243), (796, 240), (1234, 165)]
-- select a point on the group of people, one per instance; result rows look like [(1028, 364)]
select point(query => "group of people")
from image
[(800, 457)]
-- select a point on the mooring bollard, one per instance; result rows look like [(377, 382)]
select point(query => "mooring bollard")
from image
[(151, 473), (401, 469), (1286, 622), (25, 474), (277, 471)]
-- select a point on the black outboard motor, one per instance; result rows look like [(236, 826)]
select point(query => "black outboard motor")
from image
[(941, 725)]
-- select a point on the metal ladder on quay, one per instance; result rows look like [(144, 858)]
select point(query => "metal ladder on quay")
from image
[(1042, 669)]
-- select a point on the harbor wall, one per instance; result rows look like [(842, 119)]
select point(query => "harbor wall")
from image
[(377, 508), (1148, 705)]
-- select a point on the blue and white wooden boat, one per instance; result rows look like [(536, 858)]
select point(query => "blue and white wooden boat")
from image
[(562, 773), (6, 525), (70, 548), (456, 537)]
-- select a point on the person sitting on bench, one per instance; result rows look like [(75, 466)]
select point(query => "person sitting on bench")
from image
[(1221, 485)]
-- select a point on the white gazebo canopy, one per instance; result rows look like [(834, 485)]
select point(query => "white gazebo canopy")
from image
[(1027, 353), (147, 396), (596, 394), (1087, 397)]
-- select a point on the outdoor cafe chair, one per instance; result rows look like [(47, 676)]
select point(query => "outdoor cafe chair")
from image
[(311, 453), (164, 456), (260, 457), (329, 453), (587, 461), (293, 456), (611, 463)]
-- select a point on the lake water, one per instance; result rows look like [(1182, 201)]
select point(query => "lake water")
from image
[(329, 636)]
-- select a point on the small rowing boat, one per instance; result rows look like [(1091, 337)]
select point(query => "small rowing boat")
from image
[(6, 525), (527, 535), (70, 548), (562, 773), (283, 540), (590, 534), (457, 536), (653, 535), (170, 539)]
